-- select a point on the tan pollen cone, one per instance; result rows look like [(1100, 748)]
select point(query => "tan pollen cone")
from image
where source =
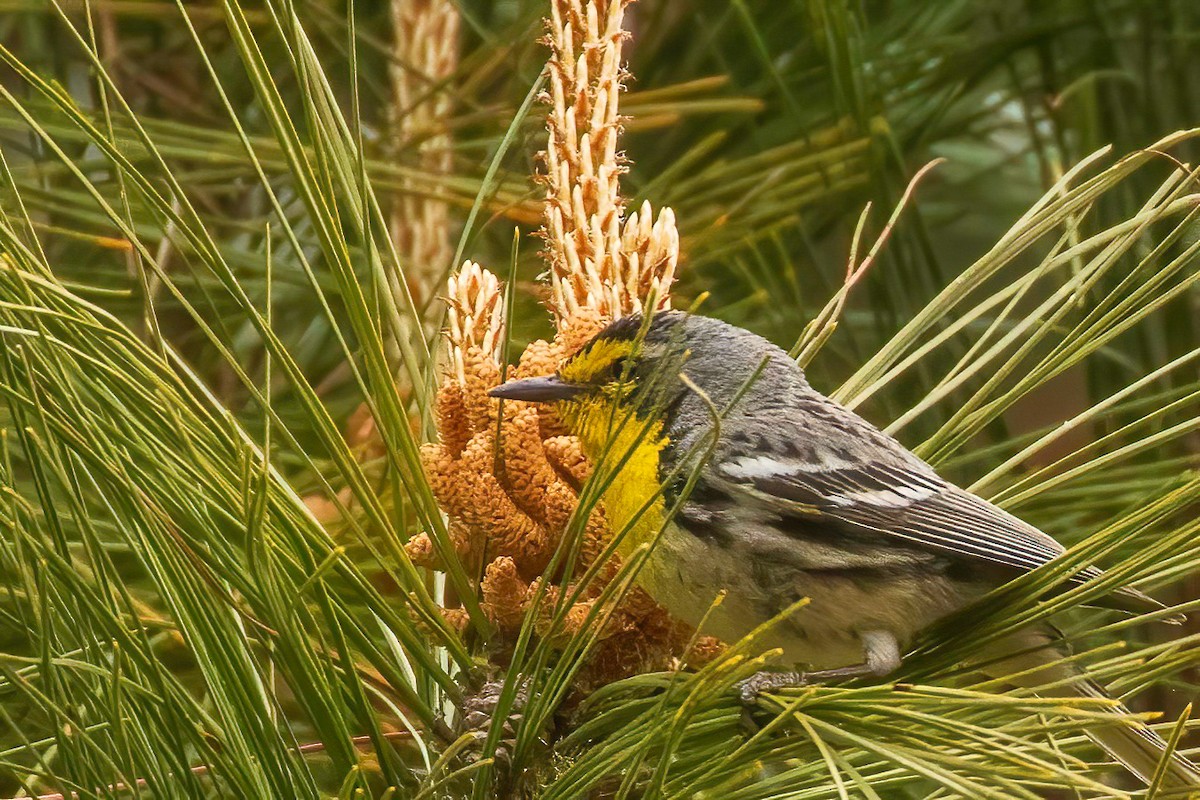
[(510, 485)]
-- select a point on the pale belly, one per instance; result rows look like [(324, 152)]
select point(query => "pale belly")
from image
[(685, 575)]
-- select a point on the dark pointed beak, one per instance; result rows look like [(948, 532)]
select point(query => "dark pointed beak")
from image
[(548, 389)]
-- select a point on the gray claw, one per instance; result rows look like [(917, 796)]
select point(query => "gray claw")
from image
[(766, 681)]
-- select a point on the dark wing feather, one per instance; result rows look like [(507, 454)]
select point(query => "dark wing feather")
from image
[(828, 464), (919, 509)]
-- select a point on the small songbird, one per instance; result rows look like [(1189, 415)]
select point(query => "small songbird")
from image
[(788, 495)]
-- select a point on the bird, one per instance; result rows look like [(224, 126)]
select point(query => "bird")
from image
[(753, 485)]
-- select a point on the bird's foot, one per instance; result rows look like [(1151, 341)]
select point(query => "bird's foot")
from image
[(768, 681)]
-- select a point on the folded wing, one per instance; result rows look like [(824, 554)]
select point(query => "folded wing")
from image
[(828, 465)]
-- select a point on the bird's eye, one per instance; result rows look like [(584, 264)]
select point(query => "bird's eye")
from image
[(617, 368)]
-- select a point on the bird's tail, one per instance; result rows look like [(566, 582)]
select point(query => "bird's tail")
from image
[(1037, 662), (1140, 750)]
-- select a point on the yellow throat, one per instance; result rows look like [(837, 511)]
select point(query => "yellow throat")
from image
[(632, 447)]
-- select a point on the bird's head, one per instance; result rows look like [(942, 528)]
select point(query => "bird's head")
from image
[(670, 365), (631, 365)]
